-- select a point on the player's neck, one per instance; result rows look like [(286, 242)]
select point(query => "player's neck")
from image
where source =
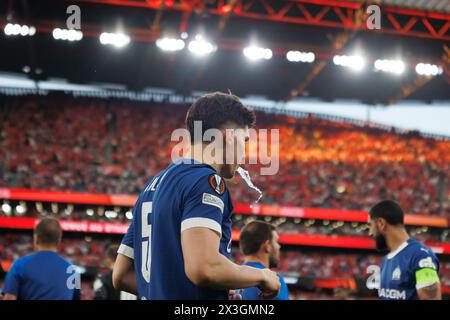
[(46, 248), (396, 239), (256, 258), (196, 153)]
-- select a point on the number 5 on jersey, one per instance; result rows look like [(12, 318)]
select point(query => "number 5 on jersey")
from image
[(146, 234)]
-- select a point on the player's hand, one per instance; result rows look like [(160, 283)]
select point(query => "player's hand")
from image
[(270, 287), (235, 295)]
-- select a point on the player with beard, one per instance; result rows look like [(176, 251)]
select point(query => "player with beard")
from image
[(258, 242), (178, 245), (410, 270)]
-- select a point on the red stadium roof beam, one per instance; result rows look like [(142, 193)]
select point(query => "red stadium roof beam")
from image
[(423, 24), (338, 43)]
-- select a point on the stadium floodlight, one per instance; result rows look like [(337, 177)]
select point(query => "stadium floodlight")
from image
[(68, 35), (24, 31), (129, 215), (118, 40), (6, 208), (110, 214), (426, 69), (90, 212), (257, 53), (353, 62), (392, 66), (170, 44), (201, 47), (21, 209), (298, 56), (17, 29)]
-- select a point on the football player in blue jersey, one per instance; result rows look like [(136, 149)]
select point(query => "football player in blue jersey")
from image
[(43, 275), (410, 270), (178, 245), (258, 243)]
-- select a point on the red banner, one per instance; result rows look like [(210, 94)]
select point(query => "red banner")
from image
[(350, 284), (67, 225), (68, 197), (266, 210), (334, 241)]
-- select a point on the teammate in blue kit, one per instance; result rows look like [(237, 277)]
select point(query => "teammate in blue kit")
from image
[(179, 242), (410, 270), (43, 275), (258, 242)]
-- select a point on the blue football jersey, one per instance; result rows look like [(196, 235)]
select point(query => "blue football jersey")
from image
[(43, 275), (253, 293), (398, 278), (185, 195)]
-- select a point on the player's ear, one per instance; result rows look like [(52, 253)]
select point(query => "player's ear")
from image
[(266, 246), (381, 224), (35, 240)]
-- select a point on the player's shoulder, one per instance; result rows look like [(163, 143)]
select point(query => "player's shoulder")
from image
[(418, 248), (196, 169), (66, 261), (184, 170), (19, 263), (420, 254), (29, 258), (55, 257), (203, 178)]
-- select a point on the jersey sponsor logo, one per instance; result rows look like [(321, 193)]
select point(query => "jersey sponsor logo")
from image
[(396, 274), (427, 263), (392, 294), (423, 249), (213, 200), (216, 182)]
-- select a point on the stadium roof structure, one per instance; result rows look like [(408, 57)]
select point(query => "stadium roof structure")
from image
[(428, 5), (413, 31)]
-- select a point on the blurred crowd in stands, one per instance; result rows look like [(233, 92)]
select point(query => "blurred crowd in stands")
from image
[(115, 146)]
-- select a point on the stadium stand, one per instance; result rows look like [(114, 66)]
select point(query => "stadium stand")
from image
[(118, 145)]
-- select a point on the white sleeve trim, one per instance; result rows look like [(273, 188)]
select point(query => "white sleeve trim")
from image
[(424, 285), (201, 222), (126, 251)]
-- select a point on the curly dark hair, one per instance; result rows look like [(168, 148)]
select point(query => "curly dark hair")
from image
[(388, 210), (215, 110)]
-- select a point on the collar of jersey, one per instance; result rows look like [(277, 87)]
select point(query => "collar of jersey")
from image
[(394, 253), (192, 161)]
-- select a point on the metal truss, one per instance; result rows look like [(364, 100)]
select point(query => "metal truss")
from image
[(321, 13)]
